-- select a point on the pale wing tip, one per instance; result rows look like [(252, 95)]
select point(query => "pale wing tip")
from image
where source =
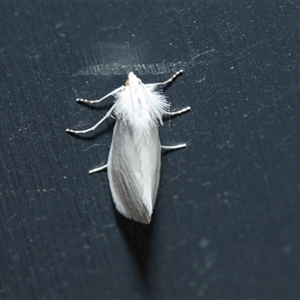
[(143, 218)]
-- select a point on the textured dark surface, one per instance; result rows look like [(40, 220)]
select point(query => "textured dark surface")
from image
[(227, 220)]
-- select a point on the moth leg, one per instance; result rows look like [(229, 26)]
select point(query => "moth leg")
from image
[(173, 147), (99, 100), (95, 126), (174, 113), (167, 81), (98, 169)]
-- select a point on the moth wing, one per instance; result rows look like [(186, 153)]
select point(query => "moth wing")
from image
[(134, 170)]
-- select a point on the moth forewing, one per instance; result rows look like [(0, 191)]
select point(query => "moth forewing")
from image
[(133, 171)]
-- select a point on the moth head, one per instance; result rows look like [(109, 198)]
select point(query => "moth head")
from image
[(132, 80)]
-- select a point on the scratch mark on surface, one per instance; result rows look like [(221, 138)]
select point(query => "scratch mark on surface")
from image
[(12, 216), (142, 69), (95, 145), (204, 53), (108, 225), (293, 3), (57, 90)]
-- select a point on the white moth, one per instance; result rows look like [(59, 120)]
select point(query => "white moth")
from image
[(135, 154)]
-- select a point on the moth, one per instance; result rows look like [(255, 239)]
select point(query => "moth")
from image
[(134, 158)]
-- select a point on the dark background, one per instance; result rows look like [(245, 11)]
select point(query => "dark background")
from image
[(227, 219)]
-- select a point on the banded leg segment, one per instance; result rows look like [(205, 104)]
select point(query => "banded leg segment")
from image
[(167, 81), (99, 100)]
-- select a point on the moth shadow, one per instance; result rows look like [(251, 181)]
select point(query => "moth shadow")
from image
[(95, 106), (138, 238)]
